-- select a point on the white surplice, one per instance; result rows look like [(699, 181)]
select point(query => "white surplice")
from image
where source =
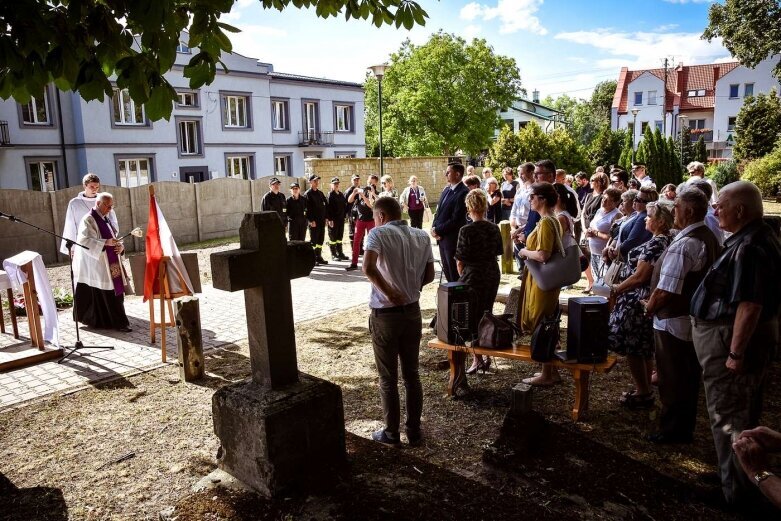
[(90, 265), (78, 207)]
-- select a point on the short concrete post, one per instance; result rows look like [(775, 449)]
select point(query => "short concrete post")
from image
[(188, 338), (522, 400), (507, 254), (513, 303)]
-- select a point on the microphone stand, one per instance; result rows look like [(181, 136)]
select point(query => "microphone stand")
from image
[(78, 346)]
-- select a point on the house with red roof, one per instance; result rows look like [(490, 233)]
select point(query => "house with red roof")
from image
[(704, 98)]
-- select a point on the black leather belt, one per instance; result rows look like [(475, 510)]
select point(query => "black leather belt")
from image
[(414, 306)]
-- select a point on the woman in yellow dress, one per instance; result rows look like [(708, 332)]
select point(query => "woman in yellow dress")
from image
[(539, 247)]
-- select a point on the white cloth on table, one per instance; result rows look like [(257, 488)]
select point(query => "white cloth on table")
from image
[(5, 281), (13, 267), (78, 207)]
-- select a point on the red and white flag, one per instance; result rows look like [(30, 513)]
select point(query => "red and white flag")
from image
[(160, 243)]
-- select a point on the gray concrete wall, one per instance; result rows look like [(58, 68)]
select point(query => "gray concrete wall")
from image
[(194, 212)]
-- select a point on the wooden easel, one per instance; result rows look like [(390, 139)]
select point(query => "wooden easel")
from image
[(6, 283), (166, 298), (31, 305)]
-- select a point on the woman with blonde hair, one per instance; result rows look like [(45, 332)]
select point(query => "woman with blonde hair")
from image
[(479, 243), (387, 188), (413, 201)]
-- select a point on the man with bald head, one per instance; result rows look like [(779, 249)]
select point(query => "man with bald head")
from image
[(735, 326)]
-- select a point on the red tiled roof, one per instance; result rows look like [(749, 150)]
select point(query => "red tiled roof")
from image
[(680, 80)]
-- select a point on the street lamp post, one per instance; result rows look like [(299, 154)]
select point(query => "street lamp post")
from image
[(681, 123), (379, 72), (634, 126)]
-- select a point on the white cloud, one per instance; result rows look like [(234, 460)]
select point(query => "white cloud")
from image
[(647, 49), (664, 28), (471, 31), (253, 38), (514, 15)]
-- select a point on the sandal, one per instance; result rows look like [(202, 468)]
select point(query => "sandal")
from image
[(635, 402), (539, 382)]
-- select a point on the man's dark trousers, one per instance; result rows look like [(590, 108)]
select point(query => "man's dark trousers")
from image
[(396, 337), (679, 374), (447, 253)]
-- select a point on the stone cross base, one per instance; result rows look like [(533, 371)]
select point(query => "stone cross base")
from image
[(275, 440)]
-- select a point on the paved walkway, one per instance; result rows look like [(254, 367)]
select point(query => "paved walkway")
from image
[(327, 289)]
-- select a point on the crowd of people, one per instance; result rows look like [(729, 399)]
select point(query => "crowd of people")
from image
[(692, 302)]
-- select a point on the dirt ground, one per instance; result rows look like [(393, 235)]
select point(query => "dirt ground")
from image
[(134, 447)]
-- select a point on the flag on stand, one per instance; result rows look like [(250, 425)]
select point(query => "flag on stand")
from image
[(160, 243)]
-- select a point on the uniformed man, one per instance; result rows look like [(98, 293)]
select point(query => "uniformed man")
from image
[(275, 201), (350, 209), (316, 204), (334, 216), (296, 213)]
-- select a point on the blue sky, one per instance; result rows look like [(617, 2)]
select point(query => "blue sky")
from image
[(559, 45)]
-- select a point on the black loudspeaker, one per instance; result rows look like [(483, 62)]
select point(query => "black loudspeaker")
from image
[(455, 313), (587, 328)]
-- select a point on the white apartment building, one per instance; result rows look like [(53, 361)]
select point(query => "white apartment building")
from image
[(249, 123), (706, 98), (522, 111)]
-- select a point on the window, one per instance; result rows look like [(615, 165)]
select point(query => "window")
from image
[(282, 165), (182, 48), (344, 121), (696, 93), (748, 90), (658, 125), (279, 115), (344, 155), (652, 97), (733, 90), (189, 137), (643, 126), (310, 116), (630, 126), (187, 99), (731, 124), (43, 176), (235, 111), (239, 167), (638, 98), (126, 112), (133, 171), (696, 124), (36, 112), (522, 124)]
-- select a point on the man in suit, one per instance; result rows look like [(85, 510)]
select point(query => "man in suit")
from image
[(450, 218)]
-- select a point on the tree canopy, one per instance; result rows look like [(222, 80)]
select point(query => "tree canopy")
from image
[(442, 96), (80, 44), (758, 126), (750, 29), (586, 118)]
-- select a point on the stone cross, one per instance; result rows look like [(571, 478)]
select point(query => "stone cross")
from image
[(263, 268)]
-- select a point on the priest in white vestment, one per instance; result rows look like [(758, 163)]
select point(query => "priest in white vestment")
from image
[(80, 206), (99, 276)]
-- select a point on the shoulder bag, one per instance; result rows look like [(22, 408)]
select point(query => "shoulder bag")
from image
[(546, 337), (613, 272), (496, 331), (561, 269), (427, 215)]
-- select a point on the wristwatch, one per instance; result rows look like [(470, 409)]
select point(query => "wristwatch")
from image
[(761, 476), (735, 356)]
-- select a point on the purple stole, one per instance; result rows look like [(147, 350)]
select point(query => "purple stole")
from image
[(114, 264)]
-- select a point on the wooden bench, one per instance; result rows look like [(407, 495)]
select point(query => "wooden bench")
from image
[(580, 372)]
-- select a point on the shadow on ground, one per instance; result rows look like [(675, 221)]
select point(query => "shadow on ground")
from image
[(22, 504)]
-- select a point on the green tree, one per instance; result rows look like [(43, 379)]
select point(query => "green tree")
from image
[(586, 118), (651, 158), (674, 168), (661, 161), (506, 150), (625, 160), (701, 150), (749, 29), (566, 153), (765, 172), (606, 148), (758, 126), (684, 146), (442, 96), (534, 143), (79, 44)]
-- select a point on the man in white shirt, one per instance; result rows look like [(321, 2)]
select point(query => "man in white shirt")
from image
[(711, 221), (398, 262), (697, 171), (676, 276), (638, 170)]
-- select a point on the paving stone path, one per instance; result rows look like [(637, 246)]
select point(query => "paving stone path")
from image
[(326, 290)]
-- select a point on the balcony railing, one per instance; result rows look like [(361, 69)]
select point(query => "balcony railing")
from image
[(707, 136), (5, 137), (311, 138)]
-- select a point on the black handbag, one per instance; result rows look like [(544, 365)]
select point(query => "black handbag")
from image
[(496, 331), (546, 337)]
